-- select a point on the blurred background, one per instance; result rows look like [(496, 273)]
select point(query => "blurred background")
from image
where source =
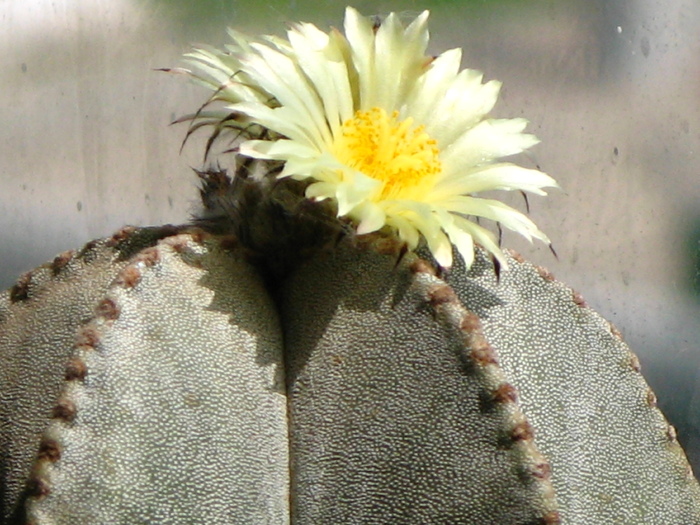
[(611, 87)]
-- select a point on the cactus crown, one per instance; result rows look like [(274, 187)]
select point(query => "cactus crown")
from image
[(271, 218)]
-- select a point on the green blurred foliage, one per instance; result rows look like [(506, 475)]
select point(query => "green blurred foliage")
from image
[(197, 16)]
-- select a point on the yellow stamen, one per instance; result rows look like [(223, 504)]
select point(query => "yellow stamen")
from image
[(403, 157)]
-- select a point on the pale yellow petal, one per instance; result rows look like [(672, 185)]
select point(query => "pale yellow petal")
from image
[(487, 141), (283, 120), (484, 237), (277, 150), (463, 241), (399, 58), (323, 62), (496, 211), (241, 42), (431, 87), (441, 248), (469, 99), (503, 176), (369, 216), (281, 77), (360, 35), (321, 191), (406, 230)]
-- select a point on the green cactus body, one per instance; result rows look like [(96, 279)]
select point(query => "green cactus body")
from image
[(149, 383)]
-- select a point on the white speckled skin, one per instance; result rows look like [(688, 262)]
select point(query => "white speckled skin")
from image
[(614, 457), (368, 359), (39, 318), (180, 414), (392, 418), (413, 398)]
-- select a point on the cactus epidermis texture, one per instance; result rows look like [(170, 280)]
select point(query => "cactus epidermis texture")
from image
[(164, 385)]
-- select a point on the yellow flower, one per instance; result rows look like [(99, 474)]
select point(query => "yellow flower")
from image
[(395, 137)]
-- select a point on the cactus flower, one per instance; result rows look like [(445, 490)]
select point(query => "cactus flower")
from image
[(394, 137)]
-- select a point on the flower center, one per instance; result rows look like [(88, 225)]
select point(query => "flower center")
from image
[(403, 157)]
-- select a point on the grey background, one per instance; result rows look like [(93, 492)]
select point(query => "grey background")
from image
[(611, 87)]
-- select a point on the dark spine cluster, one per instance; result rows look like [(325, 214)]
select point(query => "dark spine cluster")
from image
[(276, 224)]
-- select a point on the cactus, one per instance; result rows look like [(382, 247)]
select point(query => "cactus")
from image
[(147, 378), (303, 353), (142, 419)]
